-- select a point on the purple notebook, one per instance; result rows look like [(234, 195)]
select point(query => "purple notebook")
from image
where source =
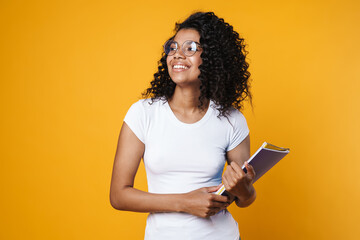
[(262, 161)]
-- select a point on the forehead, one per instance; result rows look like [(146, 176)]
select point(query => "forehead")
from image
[(187, 34)]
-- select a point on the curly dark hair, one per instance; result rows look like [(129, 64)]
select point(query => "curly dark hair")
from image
[(224, 72)]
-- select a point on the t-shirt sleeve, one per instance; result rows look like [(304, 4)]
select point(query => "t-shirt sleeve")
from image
[(239, 131), (135, 118)]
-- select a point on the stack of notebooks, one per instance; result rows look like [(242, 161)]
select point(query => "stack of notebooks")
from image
[(262, 161)]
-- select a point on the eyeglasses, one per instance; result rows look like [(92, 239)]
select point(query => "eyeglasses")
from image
[(189, 47)]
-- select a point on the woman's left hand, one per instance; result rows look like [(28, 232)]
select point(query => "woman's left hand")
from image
[(239, 183)]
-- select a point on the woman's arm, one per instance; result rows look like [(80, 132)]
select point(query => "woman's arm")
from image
[(235, 180), (123, 196)]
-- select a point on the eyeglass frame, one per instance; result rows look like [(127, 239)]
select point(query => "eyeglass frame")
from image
[(182, 47)]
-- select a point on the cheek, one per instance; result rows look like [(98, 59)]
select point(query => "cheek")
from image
[(198, 62), (168, 61), (168, 66)]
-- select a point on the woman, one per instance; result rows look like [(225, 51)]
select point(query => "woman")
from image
[(188, 126)]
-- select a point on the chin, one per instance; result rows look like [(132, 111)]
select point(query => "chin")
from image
[(183, 82)]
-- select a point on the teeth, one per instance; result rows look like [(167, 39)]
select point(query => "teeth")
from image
[(180, 66)]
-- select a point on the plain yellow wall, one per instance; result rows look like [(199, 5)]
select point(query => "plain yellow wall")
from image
[(69, 70)]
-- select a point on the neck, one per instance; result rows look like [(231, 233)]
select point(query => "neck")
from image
[(186, 100)]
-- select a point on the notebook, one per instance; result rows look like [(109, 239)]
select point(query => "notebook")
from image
[(262, 161)]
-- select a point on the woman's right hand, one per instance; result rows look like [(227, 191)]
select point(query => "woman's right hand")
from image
[(204, 203)]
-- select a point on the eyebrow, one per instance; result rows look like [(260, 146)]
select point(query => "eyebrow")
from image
[(185, 41)]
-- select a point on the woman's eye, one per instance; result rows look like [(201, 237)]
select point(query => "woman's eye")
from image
[(191, 49)]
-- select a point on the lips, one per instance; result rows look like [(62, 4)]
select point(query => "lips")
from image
[(180, 66)]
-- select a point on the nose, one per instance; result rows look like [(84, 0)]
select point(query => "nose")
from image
[(179, 53)]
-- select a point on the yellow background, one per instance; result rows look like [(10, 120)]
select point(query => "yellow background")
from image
[(69, 70)]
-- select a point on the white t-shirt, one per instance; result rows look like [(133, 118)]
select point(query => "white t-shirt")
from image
[(180, 158)]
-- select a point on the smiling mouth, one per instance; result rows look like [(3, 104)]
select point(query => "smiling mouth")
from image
[(177, 66)]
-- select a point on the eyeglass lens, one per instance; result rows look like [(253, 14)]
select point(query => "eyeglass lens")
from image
[(189, 48)]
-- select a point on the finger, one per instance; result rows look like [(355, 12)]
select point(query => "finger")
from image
[(237, 168), (213, 188), (250, 170), (216, 210), (219, 204), (231, 179), (226, 183), (235, 176), (212, 212), (219, 198)]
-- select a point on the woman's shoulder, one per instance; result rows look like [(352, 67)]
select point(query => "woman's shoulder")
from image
[(231, 114), (148, 104)]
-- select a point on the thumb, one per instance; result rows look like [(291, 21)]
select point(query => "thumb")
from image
[(214, 188), (250, 170)]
